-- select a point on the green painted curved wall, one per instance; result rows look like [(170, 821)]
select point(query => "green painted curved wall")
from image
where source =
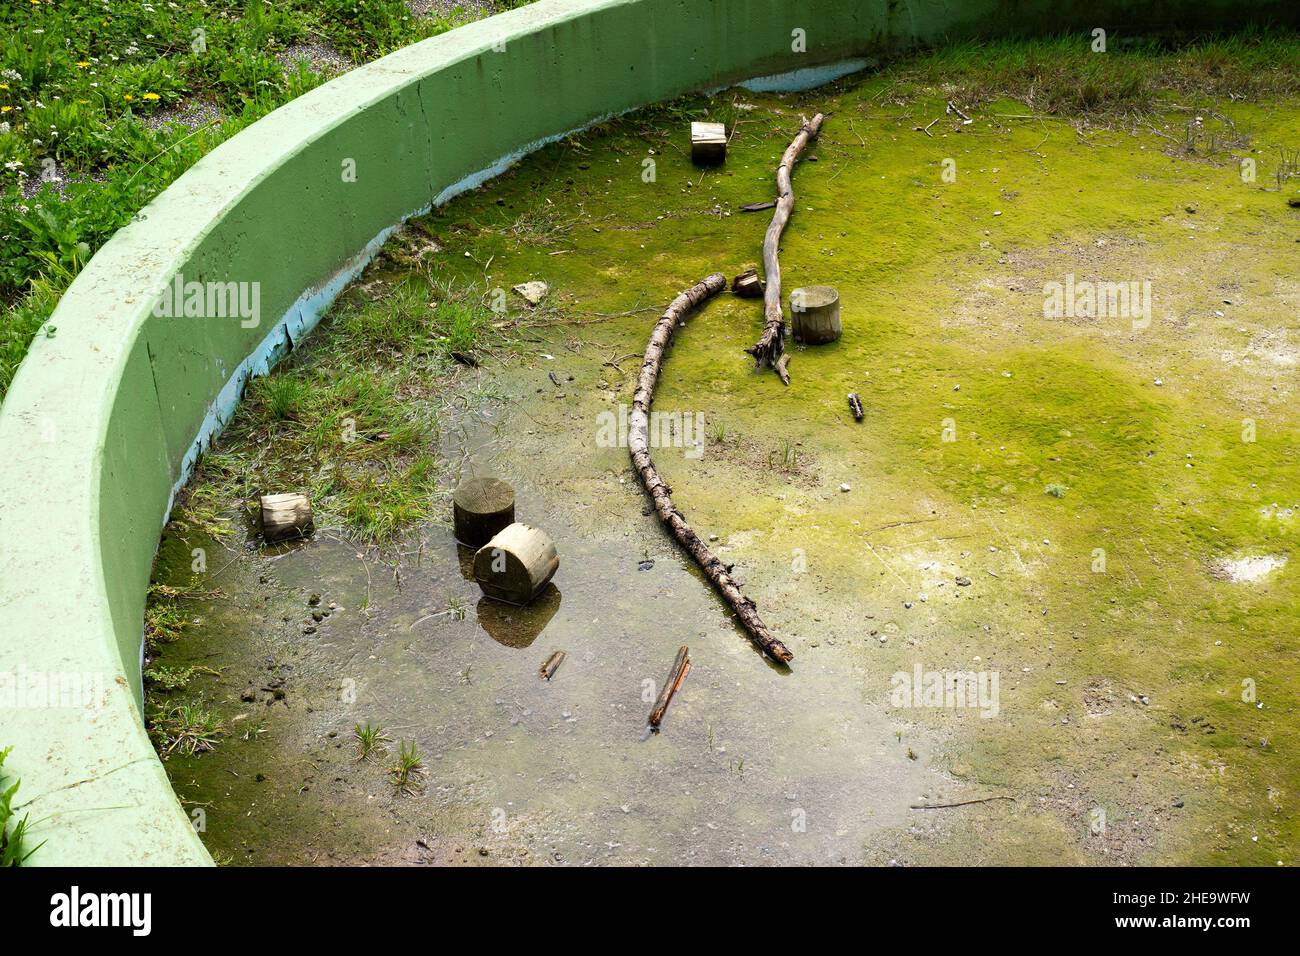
[(104, 419)]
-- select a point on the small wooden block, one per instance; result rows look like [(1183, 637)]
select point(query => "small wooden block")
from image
[(516, 564), (815, 314), (480, 508), (285, 516), (748, 285), (708, 144)]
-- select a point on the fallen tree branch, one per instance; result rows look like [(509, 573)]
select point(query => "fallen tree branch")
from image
[(638, 447), (681, 667), (768, 350)]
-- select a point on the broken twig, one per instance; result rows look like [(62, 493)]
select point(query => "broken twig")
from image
[(551, 666), (681, 667)]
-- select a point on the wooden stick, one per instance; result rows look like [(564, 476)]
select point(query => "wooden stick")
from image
[(638, 447), (855, 406), (963, 803), (681, 667), (551, 666), (771, 343)]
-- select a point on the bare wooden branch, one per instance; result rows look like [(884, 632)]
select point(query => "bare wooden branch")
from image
[(638, 447), (551, 666), (681, 667), (771, 343)]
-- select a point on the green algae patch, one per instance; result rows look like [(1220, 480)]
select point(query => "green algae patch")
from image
[(1063, 498)]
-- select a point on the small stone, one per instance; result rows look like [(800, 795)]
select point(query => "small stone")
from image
[(963, 581), (645, 565), (531, 292), (248, 696), (845, 487)]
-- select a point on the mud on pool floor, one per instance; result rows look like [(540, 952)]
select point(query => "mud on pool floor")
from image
[(1050, 502)]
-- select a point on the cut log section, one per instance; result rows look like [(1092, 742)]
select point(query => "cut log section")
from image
[(480, 508), (285, 516), (681, 667), (748, 285), (708, 144), (638, 444), (855, 406), (767, 351), (815, 314), (551, 666), (516, 564)]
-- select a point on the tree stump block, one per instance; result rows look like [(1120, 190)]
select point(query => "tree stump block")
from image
[(285, 516), (708, 144), (815, 314), (748, 285), (516, 564), (480, 508)]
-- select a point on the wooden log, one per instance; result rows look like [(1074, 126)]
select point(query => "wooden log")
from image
[(638, 444), (708, 144), (855, 406), (815, 314), (480, 508), (748, 285), (285, 516), (516, 564), (551, 666), (681, 667), (771, 343)]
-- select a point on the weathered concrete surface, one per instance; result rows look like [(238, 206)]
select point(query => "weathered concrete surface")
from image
[(106, 416)]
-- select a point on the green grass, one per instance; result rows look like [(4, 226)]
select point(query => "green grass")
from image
[(85, 89), (1062, 76), (371, 739), (14, 846), (409, 769), (186, 728), (356, 420)]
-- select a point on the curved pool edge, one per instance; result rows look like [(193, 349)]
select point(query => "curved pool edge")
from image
[(108, 414)]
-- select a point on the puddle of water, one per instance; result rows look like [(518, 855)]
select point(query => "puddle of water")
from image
[(1119, 686)]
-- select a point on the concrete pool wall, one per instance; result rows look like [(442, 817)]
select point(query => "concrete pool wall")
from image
[(122, 391)]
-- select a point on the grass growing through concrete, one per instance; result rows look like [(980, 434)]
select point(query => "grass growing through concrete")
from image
[(185, 727), (356, 420)]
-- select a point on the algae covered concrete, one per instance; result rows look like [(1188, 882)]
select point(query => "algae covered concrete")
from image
[(109, 411), (1048, 498)]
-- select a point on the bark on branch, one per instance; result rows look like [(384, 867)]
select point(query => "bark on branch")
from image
[(638, 446), (771, 344)]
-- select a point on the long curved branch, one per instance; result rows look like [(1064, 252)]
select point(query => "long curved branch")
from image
[(638, 444), (769, 349)]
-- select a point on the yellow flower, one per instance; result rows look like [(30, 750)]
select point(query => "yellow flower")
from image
[(128, 97), (4, 86), (6, 109), (82, 64), (151, 96)]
